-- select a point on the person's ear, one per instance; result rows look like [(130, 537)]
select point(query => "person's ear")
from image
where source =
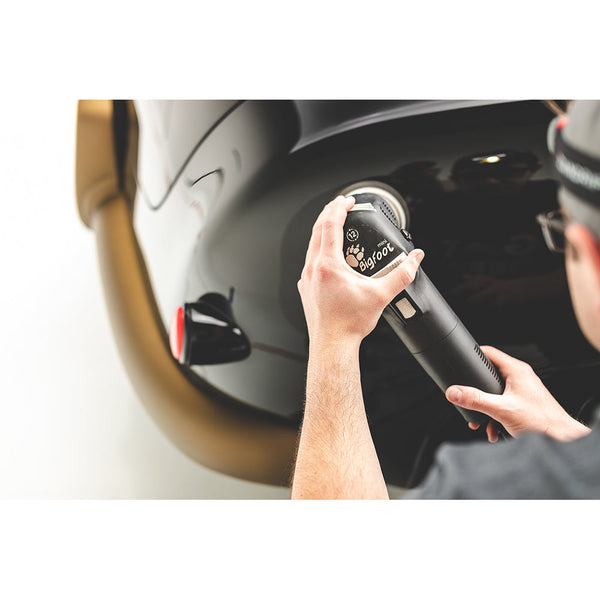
[(583, 247), (583, 273)]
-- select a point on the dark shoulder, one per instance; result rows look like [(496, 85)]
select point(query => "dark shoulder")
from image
[(532, 466)]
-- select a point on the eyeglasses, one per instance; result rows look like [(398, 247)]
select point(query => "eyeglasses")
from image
[(553, 226)]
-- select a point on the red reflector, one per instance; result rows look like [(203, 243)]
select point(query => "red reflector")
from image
[(562, 122), (176, 333)]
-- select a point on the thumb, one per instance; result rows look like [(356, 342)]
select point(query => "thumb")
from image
[(403, 275), (474, 399)]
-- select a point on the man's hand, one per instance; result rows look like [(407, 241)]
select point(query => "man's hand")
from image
[(336, 456), (339, 303), (525, 406)]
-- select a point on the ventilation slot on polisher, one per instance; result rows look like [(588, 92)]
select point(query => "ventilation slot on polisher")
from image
[(384, 198), (384, 207), (488, 364), (379, 204)]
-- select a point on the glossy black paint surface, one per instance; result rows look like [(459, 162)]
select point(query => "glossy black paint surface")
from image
[(484, 252)]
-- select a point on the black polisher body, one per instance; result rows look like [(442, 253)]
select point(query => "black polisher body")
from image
[(419, 315)]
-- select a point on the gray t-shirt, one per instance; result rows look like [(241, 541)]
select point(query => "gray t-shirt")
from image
[(532, 466)]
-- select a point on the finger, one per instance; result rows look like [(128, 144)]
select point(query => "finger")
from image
[(506, 364), (473, 426), (332, 229), (345, 201), (314, 244), (403, 275), (492, 432), (474, 399)]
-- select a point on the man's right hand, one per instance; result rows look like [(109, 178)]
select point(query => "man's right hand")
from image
[(342, 306), (525, 406)]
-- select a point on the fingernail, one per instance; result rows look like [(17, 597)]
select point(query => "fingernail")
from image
[(455, 395), (419, 254), (350, 200)]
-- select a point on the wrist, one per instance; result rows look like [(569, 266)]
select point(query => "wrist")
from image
[(333, 365), (333, 345), (568, 430)]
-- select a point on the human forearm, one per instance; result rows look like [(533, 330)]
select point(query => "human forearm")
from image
[(336, 456)]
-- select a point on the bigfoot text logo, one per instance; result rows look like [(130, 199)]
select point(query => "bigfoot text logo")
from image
[(355, 255)]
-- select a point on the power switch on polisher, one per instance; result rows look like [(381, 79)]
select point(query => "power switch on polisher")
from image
[(406, 309)]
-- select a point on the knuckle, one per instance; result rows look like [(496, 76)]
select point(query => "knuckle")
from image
[(525, 368), (325, 214), (405, 276), (323, 270), (329, 224), (339, 210), (472, 398)]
